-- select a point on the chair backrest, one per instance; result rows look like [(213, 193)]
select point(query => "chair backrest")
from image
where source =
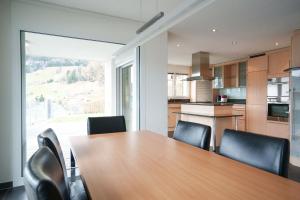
[(264, 152), (43, 177), (49, 139), (192, 133), (98, 125)]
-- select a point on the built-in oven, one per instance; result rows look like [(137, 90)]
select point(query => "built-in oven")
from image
[(278, 99)]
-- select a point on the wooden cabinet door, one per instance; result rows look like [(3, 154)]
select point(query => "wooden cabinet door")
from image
[(172, 116), (278, 62), (278, 129), (256, 118), (258, 64), (257, 88), (241, 124), (239, 109), (230, 75)]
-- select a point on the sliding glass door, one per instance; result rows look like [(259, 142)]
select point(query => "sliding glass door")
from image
[(128, 88)]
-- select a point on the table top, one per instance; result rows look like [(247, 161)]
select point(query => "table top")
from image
[(145, 165), (209, 115)]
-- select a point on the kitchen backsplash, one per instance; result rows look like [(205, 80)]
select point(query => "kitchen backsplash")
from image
[(203, 91), (234, 93)]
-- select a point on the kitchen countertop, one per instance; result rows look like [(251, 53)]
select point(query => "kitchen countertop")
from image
[(210, 104), (209, 115), (230, 102)]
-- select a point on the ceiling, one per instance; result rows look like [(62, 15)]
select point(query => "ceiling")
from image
[(243, 27), (138, 10), (64, 47)]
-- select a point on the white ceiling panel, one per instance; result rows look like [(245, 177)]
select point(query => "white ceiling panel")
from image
[(139, 10), (254, 25)]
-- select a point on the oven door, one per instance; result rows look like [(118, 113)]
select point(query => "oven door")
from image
[(278, 110)]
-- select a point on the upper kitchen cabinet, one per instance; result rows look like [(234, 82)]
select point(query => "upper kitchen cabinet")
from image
[(230, 75), (278, 62), (295, 57), (259, 63), (242, 74), (218, 77)]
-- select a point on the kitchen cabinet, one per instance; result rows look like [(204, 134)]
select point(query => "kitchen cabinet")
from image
[(278, 62), (256, 118), (257, 88), (218, 77), (242, 74), (230, 75), (278, 129), (172, 107), (295, 55), (256, 108), (259, 63), (240, 109)]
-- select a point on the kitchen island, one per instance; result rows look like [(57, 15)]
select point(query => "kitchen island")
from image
[(216, 115)]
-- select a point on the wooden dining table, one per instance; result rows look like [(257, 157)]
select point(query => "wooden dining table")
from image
[(146, 165)]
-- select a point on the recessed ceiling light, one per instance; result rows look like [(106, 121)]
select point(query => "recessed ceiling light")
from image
[(213, 30), (276, 43), (234, 42), (178, 45)]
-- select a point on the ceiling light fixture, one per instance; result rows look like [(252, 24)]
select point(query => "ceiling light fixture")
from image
[(150, 22), (178, 45), (213, 30), (234, 42), (276, 43)]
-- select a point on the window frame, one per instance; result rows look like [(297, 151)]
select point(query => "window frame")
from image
[(174, 80)]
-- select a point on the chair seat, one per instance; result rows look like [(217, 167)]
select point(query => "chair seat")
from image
[(77, 190)]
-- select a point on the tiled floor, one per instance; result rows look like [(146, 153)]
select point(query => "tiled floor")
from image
[(19, 193)]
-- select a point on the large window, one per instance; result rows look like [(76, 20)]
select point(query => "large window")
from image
[(65, 81), (178, 87)]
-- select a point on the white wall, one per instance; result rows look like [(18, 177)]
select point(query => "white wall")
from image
[(43, 18), (180, 69), (5, 94), (153, 85)]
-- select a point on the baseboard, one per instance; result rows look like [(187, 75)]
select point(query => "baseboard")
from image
[(18, 182), (295, 161), (6, 185)]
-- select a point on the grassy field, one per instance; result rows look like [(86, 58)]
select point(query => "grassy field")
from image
[(69, 98)]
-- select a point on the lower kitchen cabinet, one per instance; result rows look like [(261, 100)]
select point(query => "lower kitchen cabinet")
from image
[(278, 129), (240, 109), (172, 116)]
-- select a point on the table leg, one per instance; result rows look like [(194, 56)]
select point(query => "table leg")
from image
[(213, 131)]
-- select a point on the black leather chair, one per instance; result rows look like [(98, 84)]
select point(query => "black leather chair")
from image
[(49, 139), (267, 153), (192, 133), (44, 177), (98, 125)]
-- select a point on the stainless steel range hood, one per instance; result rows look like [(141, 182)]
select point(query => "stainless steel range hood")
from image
[(200, 67)]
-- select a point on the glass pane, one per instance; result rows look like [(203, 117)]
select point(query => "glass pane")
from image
[(170, 85), (295, 109), (179, 86), (66, 81), (242, 74), (127, 96), (218, 81)]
